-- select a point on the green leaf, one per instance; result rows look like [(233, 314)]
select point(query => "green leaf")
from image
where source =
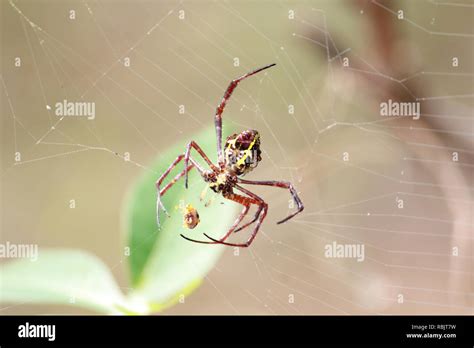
[(162, 264), (63, 277)]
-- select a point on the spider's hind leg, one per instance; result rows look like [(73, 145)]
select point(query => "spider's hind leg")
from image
[(220, 108)]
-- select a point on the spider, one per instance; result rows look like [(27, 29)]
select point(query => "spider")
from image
[(241, 154)]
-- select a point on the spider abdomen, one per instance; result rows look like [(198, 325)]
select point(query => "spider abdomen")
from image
[(242, 152)]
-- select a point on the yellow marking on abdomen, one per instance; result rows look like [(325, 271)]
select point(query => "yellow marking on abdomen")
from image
[(247, 152)]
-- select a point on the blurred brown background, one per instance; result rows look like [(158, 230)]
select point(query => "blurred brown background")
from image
[(187, 57)]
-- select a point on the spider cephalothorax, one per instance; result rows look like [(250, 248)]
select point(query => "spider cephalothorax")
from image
[(242, 152), (221, 182), (240, 156)]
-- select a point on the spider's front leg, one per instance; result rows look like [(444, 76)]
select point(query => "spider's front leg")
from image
[(246, 202), (236, 223), (261, 217), (281, 184), (261, 214)]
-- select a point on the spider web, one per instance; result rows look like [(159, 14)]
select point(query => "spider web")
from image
[(400, 187)]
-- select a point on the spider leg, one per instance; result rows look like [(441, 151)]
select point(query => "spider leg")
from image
[(159, 204), (193, 144), (257, 213), (262, 212), (252, 236), (255, 217), (162, 191), (196, 241), (281, 184), (236, 223), (221, 106), (246, 202)]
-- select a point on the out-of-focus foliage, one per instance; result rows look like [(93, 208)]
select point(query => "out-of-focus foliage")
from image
[(162, 265)]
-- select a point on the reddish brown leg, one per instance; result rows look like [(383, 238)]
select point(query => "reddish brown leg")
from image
[(262, 213), (236, 223), (221, 106), (203, 155), (255, 217), (281, 184), (257, 213), (252, 236), (162, 191), (246, 202)]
